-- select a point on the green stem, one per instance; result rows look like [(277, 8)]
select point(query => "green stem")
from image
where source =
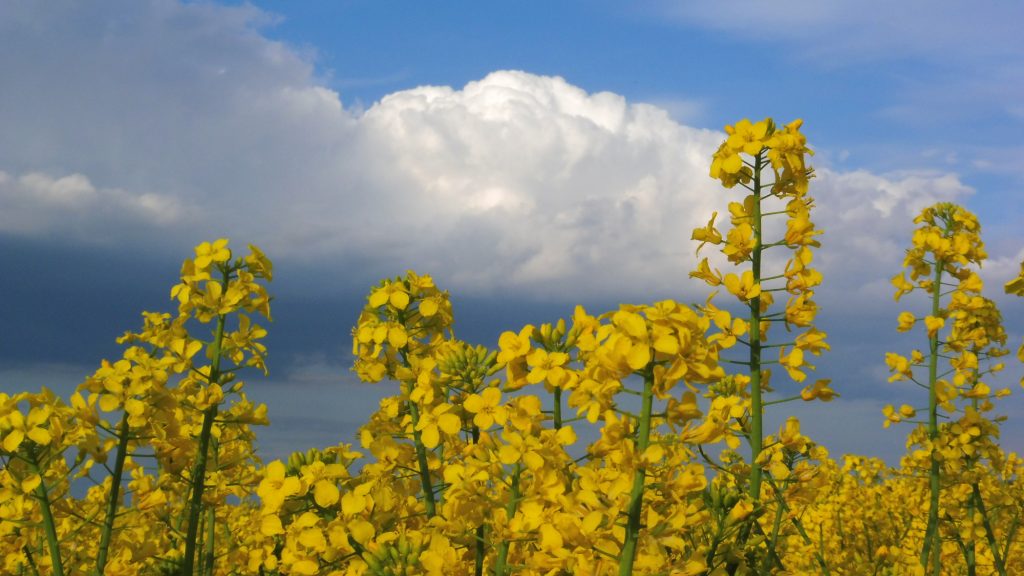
[(970, 554), (1010, 534), (754, 362), (989, 533), (501, 566), (478, 564), (773, 541), (31, 561), (114, 497), (480, 551), (818, 553), (931, 539), (716, 540), (421, 460), (201, 569), (211, 525), (636, 495), (756, 403), (49, 526), (198, 484), (199, 473), (558, 408), (417, 439)]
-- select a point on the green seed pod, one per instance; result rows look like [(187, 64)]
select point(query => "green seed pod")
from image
[(372, 562), (395, 558)]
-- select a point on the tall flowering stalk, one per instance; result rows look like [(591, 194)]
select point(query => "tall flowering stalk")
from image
[(662, 345), (402, 325), (963, 329), (34, 470), (770, 164), (215, 288)]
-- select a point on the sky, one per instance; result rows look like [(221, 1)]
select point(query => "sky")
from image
[(529, 155)]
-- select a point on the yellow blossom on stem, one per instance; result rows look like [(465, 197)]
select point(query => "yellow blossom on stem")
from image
[(435, 421), (819, 390), (708, 234), (743, 287), (487, 408)]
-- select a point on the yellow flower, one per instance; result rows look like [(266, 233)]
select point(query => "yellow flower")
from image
[(487, 408), (207, 253), (792, 363), (435, 421), (893, 416), (800, 311), (16, 427), (812, 341), (800, 231), (514, 345), (747, 137), (934, 324), (739, 511), (276, 487), (1016, 286), (743, 287), (899, 366), (905, 321), (547, 366), (357, 500), (740, 242), (708, 234), (725, 162), (519, 448), (819, 390), (258, 264), (703, 272), (902, 285), (392, 293)]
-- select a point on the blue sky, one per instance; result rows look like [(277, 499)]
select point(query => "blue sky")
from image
[(530, 155)]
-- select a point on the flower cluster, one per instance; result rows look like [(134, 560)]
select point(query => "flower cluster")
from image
[(172, 399)]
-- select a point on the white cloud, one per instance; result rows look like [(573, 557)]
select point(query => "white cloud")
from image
[(525, 180), (868, 223), (36, 204), (868, 29)]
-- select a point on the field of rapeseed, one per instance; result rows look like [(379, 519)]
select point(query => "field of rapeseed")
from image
[(476, 468)]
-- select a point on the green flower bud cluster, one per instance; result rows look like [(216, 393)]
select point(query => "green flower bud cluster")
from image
[(466, 366), (555, 338), (298, 460), (397, 558)]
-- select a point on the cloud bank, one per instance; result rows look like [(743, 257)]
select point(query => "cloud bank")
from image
[(183, 118)]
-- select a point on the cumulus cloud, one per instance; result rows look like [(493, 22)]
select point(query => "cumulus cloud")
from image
[(525, 180)]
